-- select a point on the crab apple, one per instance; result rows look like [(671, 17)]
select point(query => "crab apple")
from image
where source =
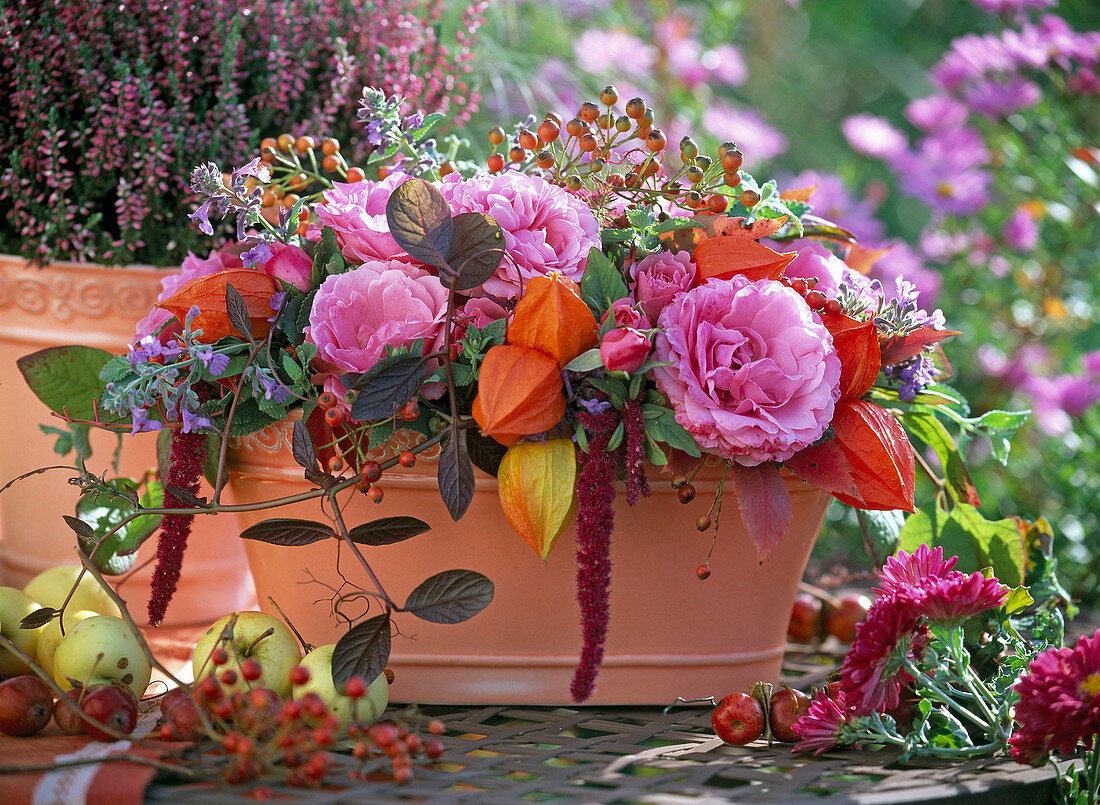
[(113, 706), (26, 705), (102, 649), (14, 606), (365, 708), (785, 707), (255, 634), (66, 717), (805, 624), (51, 587), (258, 712), (51, 636), (738, 719), (842, 619)]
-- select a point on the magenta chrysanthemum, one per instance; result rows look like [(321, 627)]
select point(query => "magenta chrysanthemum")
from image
[(545, 227), (873, 672), (905, 570), (1059, 703), (957, 596), (823, 726)]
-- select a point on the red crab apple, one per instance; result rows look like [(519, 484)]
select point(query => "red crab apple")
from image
[(26, 705), (181, 714), (738, 719), (65, 717), (805, 623), (785, 707), (113, 706), (841, 620)]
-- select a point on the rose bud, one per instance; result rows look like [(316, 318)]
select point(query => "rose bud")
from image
[(624, 349)]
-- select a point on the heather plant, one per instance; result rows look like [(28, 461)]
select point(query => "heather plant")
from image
[(106, 107)]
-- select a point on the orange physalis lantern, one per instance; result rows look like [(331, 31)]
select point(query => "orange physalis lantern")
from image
[(536, 487), (552, 318), (519, 392), (208, 294)]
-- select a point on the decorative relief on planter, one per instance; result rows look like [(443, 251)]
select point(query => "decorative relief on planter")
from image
[(276, 438)]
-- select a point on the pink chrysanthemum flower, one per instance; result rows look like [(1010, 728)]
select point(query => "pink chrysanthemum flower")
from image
[(873, 672), (1059, 703), (905, 571), (957, 596), (827, 724)]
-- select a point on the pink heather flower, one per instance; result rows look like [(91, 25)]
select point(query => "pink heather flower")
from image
[(193, 267), (873, 674), (937, 113), (545, 227), (815, 260), (624, 313), (746, 127), (624, 349), (357, 212), (873, 136), (957, 596), (1020, 231), (824, 725), (290, 264), (614, 51), (753, 376), (998, 98), (904, 571), (659, 277), (359, 313), (1059, 705)]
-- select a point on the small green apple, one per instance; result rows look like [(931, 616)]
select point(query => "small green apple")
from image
[(255, 634), (50, 587), (51, 635), (14, 606), (319, 664), (102, 649)]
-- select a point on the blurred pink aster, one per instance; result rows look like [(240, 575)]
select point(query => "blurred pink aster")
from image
[(753, 376), (873, 672), (937, 113), (873, 136), (614, 51), (357, 211), (947, 172), (997, 98), (1020, 231), (546, 229), (746, 127), (825, 725), (1059, 705)]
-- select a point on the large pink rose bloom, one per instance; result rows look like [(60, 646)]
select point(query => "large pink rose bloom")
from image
[(753, 375), (545, 228), (357, 212), (659, 277), (359, 313)]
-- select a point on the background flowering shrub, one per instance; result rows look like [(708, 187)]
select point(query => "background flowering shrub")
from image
[(106, 107)]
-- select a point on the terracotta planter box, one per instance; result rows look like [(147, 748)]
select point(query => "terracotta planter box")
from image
[(670, 635)]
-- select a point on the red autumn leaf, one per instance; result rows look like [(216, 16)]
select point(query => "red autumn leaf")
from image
[(857, 345), (208, 294), (727, 255), (825, 466), (735, 227), (764, 503), (879, 456), (861, 259), (798, 194), (898, 348)]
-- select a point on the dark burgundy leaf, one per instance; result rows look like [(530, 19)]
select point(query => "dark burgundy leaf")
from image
[(301, 445), (237, 311), (363, 651), (185, 497), (485, 452), (450, 597), (477, 246), (388, 530), (455, 473), (288, 532), (40, 617), (387, 386), (82, 529), (420, 221)]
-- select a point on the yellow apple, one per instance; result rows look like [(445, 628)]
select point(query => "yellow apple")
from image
[(277, 652), (369, 707), (14, 606), (51, 635), (50, 587), (102, 649)]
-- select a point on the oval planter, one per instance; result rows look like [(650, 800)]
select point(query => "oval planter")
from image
[(670, 635), (72, 303)]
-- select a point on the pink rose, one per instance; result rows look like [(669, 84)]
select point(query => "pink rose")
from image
[(290, 264), (357, 212), (753, 375), (814, 260), (480, 311), (545, 228), (624, 314), (359, 313), (658, 278), (624, 349)]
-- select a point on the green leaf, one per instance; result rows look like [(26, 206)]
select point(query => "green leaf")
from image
[(601, 284), (421, 132), (929, 429), (67, 380), (103, 510), (881, 532), (1018, 600), (611, 236), (586, 361), (615, 389), (616, 437), (640, 218), (661, 425), (1001, 422), (1000, 540), (672, 224)]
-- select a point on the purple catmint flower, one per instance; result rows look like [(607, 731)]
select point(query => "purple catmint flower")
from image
[(201, 217), (912, 376)]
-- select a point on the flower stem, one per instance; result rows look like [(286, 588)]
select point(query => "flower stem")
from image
[(926, 682)]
